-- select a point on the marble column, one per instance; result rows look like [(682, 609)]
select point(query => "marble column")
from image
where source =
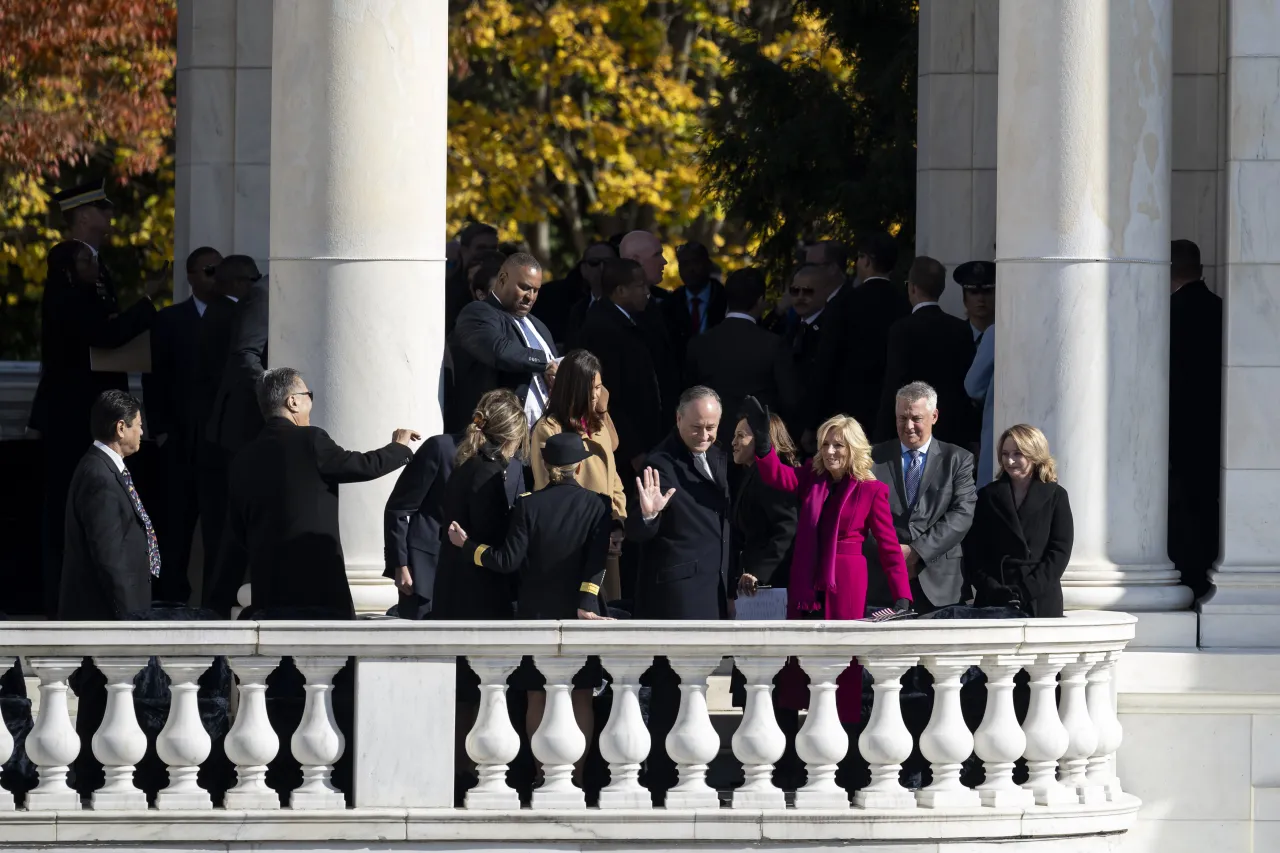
[(956, 137), (358, 143), (1083, 230), (223, 130), (1244, 607)]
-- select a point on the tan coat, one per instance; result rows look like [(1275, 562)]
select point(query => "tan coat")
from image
[(599, 473)]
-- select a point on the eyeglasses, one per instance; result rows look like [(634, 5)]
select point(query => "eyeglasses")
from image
[(803, 291), (310, 395), (593, 262)]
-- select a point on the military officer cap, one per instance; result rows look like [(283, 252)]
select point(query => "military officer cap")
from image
[(94, 193), (564, 449), (976, 275)]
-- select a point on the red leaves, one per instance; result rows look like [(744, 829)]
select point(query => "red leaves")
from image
[(75, 74)]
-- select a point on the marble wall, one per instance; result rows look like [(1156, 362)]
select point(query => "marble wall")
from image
[(223, 129), (956, 148), (1245, 608)]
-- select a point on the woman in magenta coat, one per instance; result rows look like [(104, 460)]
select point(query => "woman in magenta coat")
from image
[(841, 501)]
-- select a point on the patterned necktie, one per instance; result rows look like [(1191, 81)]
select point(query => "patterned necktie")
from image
[(153, 549), (538, 385), (914, 469)]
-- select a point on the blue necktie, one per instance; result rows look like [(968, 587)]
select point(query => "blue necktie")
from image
[(914, 469)]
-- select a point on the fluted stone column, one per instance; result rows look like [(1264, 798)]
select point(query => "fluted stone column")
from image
[(358, 126), (1083, 230), (1244, 608)]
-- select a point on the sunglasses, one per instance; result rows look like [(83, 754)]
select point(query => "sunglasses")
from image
[(310, 395), (593, 262), (803, 291)]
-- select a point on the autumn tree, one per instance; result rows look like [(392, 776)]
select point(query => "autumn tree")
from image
[(86, 90), (818, 140)]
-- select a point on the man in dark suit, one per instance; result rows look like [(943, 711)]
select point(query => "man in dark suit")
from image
[(179, 400), (681, 515), (412, 524), (738, 358), (811, 285), (614, 335), (282, 521), (111, 553), (562, 304), (499, 344), (697, 305), (851, 362), (476, 239), (234, 352), (931, 346), (931, 496), (78, 311), (1195, 418)]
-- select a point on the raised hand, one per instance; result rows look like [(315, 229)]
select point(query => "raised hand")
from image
[(758, 420), (652, 500), (457, 535)]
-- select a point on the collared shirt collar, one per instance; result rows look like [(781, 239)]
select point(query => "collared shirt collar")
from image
[(924, 448), (112, 455), (200, 305), (977, 333), (876, 278), (624, 311), (922, 305), (837, 292), (812, 318), (740, 316), (91, 248)]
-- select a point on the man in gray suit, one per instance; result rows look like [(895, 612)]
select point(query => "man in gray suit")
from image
[(931, 495)]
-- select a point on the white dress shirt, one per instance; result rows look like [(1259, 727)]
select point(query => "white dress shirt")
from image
[(112, 455), (200, 306), (535, 402), (739, 315), (922, 305)]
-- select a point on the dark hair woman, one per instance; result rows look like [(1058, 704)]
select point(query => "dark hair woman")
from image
[(579, 404), (763, 519)]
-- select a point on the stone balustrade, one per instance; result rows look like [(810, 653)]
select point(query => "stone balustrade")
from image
[(403, 734)]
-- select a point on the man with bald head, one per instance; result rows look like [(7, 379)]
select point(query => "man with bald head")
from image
[(497, 343)]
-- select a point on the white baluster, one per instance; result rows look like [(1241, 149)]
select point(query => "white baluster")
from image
[(693, 742), (624, 741), (759, 742), (886, 742), (947, 741), (183, 744), (1047, 740), (6, 750), (52, 743), (252, 744), (1082, 736), (1102, 708), (119, 743), (492, 743), (999, 741), (558, 742), (318, 742), (822, 742)]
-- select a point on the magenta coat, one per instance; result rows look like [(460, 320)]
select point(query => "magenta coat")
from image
[(829, 573)]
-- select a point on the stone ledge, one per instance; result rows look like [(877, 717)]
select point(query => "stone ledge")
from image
[(450, 825)]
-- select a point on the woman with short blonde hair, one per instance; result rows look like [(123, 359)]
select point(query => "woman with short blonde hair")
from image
[(841, 502), (1022, 533)]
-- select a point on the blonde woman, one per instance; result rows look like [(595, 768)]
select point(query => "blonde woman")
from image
[(841, 501), (1020, 541)]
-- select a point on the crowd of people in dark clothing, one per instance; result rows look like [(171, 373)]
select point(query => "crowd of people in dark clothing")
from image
[(612, 449)]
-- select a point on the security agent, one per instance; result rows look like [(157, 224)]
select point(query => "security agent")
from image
[(978, 280), (558, 538)]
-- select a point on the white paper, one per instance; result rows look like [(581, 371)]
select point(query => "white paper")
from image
[(765, 604)]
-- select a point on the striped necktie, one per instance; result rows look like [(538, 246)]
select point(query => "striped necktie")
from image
[(914, 469)]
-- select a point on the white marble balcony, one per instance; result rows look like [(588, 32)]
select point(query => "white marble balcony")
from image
[(402, 738)]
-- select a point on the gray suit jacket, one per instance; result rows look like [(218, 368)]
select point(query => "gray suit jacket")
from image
[(937, 524)]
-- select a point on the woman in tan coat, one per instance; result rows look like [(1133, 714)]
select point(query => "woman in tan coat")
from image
[(579, 403)]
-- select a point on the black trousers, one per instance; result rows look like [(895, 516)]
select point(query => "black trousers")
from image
[(181, 510), (214, 466)]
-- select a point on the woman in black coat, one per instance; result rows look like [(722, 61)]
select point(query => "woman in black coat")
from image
[(763, 519), (1020, 541), (487, 478)]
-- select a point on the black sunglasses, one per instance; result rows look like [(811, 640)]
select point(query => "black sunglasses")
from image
[(803, 291), (593, 262), (310, 395)]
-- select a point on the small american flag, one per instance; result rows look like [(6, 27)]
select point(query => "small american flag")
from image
[(882, 614)]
